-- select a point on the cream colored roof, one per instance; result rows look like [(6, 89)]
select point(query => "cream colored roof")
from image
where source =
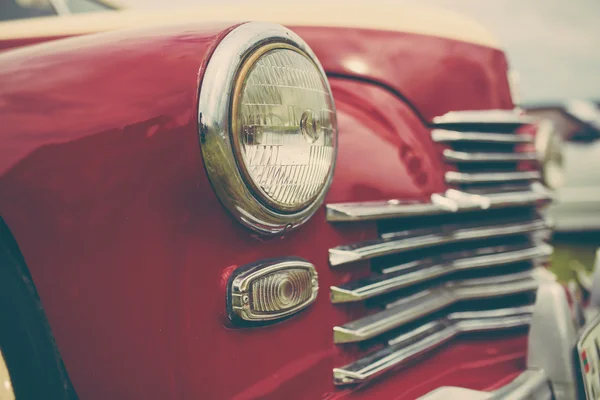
[(367, 14)]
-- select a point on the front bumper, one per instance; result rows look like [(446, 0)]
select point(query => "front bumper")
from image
[(550, 365)]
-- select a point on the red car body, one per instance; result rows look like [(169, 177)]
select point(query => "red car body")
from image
[(103, 187)]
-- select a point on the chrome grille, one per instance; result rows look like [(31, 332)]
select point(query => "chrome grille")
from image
[(466, 261), (428, 337), (482, 146)]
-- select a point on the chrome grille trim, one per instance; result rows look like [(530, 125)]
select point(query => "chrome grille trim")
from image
[(401, 276), (463, 202), (463, 156), (484, 117), (433, 266), (397, 242), (434, 299), (454, 177), (483, 129), (427, 338), (448, 136)]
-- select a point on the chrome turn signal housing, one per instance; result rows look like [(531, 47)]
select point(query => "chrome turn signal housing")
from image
[(268, 128), (271, 290)]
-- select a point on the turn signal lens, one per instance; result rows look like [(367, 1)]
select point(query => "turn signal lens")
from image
[(271, 290), (281, 291)]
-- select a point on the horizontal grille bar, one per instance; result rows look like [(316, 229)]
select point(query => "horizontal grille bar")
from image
[(451, 201), (484, 117), (454, 177), (431, 300), (427, 338), (401, 276), (462, 156), (397, 242), (447, 136)]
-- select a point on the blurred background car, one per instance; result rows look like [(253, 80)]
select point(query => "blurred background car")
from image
[(21, 9), (576, 210), (577, 207)]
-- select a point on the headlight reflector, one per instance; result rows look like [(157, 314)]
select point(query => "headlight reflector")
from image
[(284, 127)]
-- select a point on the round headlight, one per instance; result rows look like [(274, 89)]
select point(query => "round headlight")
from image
[(283, 127), (549, 148), (268, 127)]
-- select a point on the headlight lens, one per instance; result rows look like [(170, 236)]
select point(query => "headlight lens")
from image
[(284, 128)]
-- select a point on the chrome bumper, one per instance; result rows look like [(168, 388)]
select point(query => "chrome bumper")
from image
[(531, 384), (550, 369)]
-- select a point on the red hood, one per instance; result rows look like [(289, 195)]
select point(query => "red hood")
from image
[(435, 60)]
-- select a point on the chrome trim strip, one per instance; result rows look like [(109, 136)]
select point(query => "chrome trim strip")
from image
[(484, 117), (426, 338), (444, 136), (374, 210), (377, 210), (423, 303), (531, 384), (453, 177), (463, 156), (393, 243), (401, 276)]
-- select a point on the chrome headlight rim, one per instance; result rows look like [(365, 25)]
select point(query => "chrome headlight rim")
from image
[(216, 120)]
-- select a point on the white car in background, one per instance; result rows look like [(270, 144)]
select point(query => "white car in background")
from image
[(577, 205)]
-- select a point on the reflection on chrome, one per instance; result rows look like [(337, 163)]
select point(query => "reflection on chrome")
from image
[(421, 304), (510, 118), (428, 337), (396, 242), (447, 136), (451, 201), (403, 275), (463, 156), (491, 177)]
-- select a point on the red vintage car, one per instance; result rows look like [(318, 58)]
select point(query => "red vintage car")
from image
[(349, 206)]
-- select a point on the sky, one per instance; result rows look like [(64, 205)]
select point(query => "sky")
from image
[(553, 44)]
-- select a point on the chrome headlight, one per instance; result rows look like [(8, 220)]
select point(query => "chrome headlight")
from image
[(549, 148), (268, 127)]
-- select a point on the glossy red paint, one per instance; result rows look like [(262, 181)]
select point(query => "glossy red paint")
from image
[(435, 75), (102, 184)]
